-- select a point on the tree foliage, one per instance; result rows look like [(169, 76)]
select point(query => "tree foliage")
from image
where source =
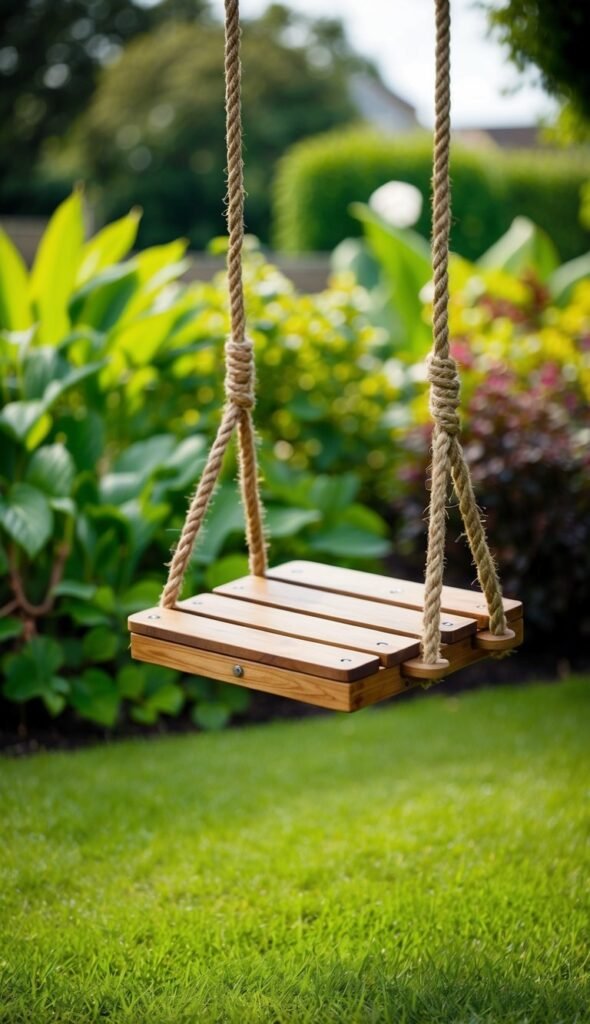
[(154, 132), (51, 54), (553, 36)]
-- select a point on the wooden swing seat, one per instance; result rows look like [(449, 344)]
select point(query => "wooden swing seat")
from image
[(337, 638)]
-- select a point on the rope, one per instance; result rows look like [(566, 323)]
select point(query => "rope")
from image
[(448, 460), (239, 354)]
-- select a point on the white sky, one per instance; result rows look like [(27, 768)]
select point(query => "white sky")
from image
[(398, 36)]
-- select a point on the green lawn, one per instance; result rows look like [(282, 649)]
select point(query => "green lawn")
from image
[(422, 863)]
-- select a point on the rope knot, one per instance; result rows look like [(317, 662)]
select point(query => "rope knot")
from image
[(444, 393), (239, 373)]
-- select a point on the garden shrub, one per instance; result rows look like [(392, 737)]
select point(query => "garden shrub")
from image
[(319, 178), (525, 366), (111, 372)]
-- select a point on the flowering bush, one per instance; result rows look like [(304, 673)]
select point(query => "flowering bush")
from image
[(525, 367)]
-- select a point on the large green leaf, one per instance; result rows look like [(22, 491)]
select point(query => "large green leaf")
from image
[(141, 340), (18, 419), (15, 307), (145, 456), (32, 673), (404, 258), (226, 569), (26, 516), (100, 302), (100, 644), (28, 421), (96, 696), (288, 522), (563, 280), (52, 470), (225, 516), (55, 267), (109, 245), (10, 627), (524, 248), (344, 541)]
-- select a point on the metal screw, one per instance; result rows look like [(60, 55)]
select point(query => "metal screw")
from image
[(154, 616), (481, 606), (382, 643), (345, 659), (296, 572), (398, 590), (238, 671), (196, 602), (448, 623), (237, 588)]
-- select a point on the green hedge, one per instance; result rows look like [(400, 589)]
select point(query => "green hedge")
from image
[(318, 180)]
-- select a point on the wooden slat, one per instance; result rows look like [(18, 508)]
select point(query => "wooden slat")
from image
[(242, 642), (390, 648), (353, 611), (401, 593), (324, 693)]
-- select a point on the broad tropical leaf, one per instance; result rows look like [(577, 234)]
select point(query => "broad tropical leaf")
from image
[(55, 268), (15, 307), (27, 518), (109, 245)]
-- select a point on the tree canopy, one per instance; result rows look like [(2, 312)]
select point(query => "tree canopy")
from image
[(553, 36), (154, 131), (50, 56)]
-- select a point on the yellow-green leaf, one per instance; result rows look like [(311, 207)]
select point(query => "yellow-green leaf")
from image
[(15, 308), (109, 246), (55, 268)]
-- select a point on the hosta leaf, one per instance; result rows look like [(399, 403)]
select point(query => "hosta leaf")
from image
[(109, 245), (145, 456), (85, 438), (287, 522), (100, 303), (75, 588), (524, 247), (96, 696), (10, 627), (18, 418), (142, 594), (225, 516), (563, 280), (131, 681), (15, 308), (52, 470), (32, 672), (55, 267), (26, 516), (167, 700), (100, 644), (344, 541), (211, 715), (224, 570), (141, 340), (40, 369)]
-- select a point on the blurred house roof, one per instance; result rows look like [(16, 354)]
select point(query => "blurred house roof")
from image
[(512, 137), (380, 106)]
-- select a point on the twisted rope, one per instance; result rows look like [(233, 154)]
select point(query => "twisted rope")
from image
[(239, 354), (448, 461)]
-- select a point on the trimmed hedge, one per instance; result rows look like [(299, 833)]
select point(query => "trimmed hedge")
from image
[(318, 179)]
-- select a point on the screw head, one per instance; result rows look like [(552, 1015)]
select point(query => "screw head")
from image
[(238, 671), (154, 616), (447, 623), (195, 602), (396, 590), (346, 659), (382, 643)]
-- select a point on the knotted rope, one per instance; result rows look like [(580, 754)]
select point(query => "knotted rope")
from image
[(239, 354), (448, 461)]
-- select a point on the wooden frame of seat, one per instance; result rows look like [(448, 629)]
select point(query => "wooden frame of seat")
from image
[(336, 638)]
